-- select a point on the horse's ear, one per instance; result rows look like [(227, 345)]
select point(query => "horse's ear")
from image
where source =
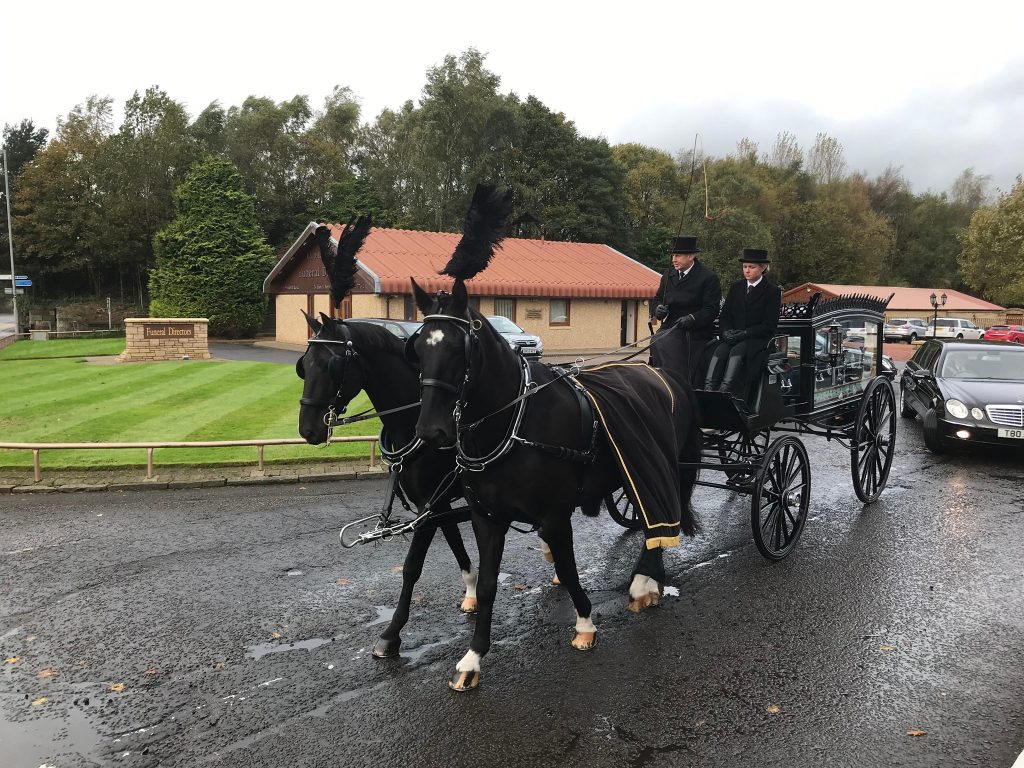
[(327, 323), (312, 323), (423, 299), (460, 298)]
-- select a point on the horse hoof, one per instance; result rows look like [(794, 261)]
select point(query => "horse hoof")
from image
[(386, 649), (466, 681), (555, 580), (468, 605), (645, 601), (584, 641)]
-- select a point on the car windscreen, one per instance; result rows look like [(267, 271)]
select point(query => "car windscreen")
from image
[(504, 325), (1004, 364)]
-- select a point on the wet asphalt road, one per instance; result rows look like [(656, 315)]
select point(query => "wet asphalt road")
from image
[(240, 632)]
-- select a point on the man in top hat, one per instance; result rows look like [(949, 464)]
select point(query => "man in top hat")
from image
[(686, 304), (748, 320)]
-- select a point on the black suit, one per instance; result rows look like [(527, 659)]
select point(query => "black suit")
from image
[(697, 293), (757, 313)]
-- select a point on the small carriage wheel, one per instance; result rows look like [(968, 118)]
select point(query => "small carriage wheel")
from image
[(623, 511), (873, 441), (737, 447), (782, 493)]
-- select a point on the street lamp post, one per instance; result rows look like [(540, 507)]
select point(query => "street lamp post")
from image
[(936, 303)]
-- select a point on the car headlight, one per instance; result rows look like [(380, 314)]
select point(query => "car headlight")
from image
[(977, 413), (956, 409)]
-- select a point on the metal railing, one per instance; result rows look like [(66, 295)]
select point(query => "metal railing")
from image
[(37, 448)]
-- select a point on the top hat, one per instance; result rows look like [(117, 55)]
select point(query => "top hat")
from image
[(684, 244), (755, 256)]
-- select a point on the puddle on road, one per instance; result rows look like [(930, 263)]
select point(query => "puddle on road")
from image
[(39, 741), (265, 649), (384, 615), (415, 654)]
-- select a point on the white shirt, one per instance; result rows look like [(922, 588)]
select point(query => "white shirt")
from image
[(751, 286)]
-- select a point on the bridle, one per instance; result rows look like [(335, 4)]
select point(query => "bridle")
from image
[(337, 366), (471, 342)]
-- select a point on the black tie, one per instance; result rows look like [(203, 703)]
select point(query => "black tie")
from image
[(749, 288), (679, 274)]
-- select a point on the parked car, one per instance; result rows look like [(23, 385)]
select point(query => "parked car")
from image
[(403, 329), (1014, 333), (529, 345), (908, 329), (966, 392), (954, 328)]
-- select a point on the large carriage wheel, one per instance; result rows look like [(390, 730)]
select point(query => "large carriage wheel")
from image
[(874, 440), (741, 447), (623, 511), (782, 493)]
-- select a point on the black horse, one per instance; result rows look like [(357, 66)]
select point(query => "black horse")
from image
[(530, 466), (346, 357)]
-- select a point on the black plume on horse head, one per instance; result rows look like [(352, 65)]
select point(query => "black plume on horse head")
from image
[(484, 229), (341, 264)]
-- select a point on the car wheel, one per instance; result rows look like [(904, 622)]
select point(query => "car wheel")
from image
[(959, 336), (912, 339), (905, 410)]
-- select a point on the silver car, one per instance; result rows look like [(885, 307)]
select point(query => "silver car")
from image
[(908, 329), (529, 345)]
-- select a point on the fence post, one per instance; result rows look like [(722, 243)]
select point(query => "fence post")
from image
[(259, 453), (149, 463), (36, 471), (373, 453)]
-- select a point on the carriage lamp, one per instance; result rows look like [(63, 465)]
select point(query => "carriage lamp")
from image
[(835, 340)]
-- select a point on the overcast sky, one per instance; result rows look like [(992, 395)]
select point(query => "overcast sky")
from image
[(934, 87)]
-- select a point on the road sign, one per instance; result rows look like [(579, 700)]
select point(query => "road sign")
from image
[(10, 291), (16, 277), (23, 283)]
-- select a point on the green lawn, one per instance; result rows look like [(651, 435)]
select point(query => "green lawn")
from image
[(68, 400), (23, 350)]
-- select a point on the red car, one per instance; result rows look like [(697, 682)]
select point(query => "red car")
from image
[(1014, 333)]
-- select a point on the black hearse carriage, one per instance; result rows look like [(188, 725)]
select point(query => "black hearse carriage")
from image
[(822, 375)]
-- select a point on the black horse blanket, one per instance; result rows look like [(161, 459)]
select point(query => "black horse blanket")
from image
[(637, 409)]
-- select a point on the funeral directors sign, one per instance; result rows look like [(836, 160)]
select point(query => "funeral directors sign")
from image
[(165, 338), (168, 331)]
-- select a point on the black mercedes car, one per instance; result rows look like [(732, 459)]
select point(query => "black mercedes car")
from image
[(966, 392)]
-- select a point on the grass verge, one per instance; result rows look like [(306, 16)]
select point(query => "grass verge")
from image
[(68, 400)]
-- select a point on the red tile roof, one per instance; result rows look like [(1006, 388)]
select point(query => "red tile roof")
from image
[(903, 300), (520, 267)]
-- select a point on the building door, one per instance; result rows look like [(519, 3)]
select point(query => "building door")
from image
[(627, 323), (309, 311)]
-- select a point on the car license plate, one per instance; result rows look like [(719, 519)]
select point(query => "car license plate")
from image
[(1016, 433)]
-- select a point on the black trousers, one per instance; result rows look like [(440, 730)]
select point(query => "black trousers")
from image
[(736, 360), (681, 352)]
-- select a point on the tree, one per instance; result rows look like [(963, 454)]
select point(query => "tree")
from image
[(992, 261), (653, 192), (61, 211), (142, 165), (786, 153), (825, 161), (212, 258), (21, 144)]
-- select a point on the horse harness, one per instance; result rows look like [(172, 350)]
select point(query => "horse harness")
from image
[(527, 388)]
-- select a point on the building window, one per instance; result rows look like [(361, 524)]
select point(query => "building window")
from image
[(558, 313), (505, 308)]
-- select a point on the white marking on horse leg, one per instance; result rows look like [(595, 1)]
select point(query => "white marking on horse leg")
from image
[(469, 663), (585, 624), (639, 586), (469, 602), (547, 551), (436, 337), (469, 577)]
